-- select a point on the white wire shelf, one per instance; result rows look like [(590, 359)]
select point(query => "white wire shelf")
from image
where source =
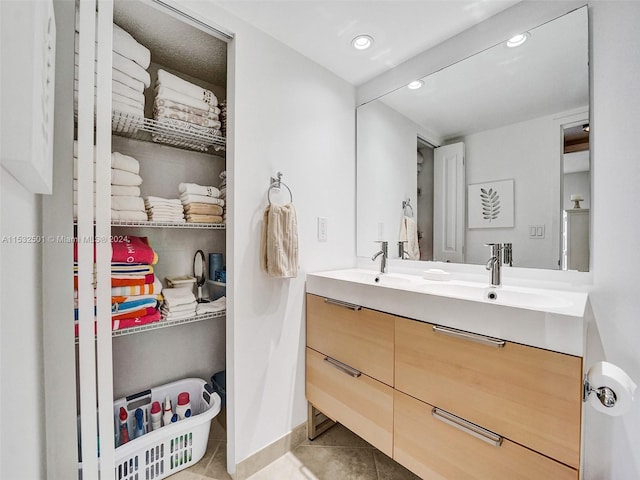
[(152, 224), (169, 131), (166, 324)]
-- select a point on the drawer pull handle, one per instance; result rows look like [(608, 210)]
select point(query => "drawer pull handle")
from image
[(340, 303), (342, 367), (467, 427), (474, 337)]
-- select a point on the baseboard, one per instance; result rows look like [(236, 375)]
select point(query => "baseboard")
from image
[(270, 453)]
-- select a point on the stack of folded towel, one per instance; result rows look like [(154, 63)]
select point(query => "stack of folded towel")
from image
[(223, 194), (185, 105), (126, 202), (179, 303), (202, 204), (164, 209), (129, 77), (135, 290)]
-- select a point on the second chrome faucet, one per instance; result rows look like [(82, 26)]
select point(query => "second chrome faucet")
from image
[(384, 251)]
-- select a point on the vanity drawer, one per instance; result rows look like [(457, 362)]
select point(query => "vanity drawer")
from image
[(360, 338), (361, 404), (529, 395), (434, 449)]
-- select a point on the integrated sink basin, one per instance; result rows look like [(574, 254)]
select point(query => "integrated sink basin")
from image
[(519, 297), (550, 318)]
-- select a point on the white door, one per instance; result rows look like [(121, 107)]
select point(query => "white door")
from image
[(448, 203)]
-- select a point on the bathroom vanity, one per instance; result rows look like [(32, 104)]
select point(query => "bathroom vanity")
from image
[(446, 380)]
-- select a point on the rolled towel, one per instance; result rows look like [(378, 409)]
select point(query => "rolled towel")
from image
[(130, 215), (119, 202), (125, 162), (129, 47), (186, 198), (166, 79), (122, 177), (194, 188)]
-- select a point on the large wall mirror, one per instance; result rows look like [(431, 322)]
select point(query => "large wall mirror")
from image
[(493, 148)]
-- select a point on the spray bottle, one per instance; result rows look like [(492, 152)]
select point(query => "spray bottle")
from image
[(124, 428)]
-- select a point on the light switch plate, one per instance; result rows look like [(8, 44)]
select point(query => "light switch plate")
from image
[(322, 229)]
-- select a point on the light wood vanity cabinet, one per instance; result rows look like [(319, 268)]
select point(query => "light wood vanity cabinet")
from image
[(350, 368), (455, 405), (529, 395)]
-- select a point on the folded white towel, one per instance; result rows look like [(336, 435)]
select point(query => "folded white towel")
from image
[(120, 90), (178, 296), (279, 241), (177, 316), (195, 189), (119, 202), (170, 210), (125, 190), (131, 215), (125, 162), (189, 198), (166, 93), (122, 177), (171, 309), (211, 113), (126, 66), (166, 79), (165, 112), (151, 200), (129, 47), (167, 218), (131, 68), (211, 307), (117, 76)]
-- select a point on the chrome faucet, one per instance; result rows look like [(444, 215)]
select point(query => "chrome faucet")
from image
[(402, 252), (507, 254), (385, 253), (494, 263)]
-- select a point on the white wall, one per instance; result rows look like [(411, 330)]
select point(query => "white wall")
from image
[(615, 68), (293, 116), (21, 382), (386, 175), (529, 153), (576, 182)]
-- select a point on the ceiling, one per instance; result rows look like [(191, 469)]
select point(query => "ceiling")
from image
[(323, 30), (548, 74)]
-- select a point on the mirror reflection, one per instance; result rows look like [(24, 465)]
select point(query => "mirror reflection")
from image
[(492, 149)]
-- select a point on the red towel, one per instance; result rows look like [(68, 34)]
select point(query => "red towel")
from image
[(127, 249), (129, 322)]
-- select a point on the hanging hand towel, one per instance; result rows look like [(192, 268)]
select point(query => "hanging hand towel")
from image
[(279, 242), (409, 234)]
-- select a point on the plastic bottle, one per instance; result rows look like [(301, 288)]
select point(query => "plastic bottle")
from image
[(140, 430), (124, 428), (156, 416), (167, 413), (184, 406)]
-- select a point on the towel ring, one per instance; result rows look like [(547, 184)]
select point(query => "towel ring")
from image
[(407, 204), (278, 183)]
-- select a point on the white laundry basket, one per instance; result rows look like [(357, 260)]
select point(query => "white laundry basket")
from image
[(171, 448)]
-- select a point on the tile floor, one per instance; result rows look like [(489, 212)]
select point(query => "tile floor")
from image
[(337, 454)]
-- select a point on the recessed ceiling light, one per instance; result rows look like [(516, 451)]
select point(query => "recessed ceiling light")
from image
[(362, 42), (415, 84), (517, 40)]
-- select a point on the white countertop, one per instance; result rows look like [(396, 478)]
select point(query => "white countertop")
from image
[(552, 319)]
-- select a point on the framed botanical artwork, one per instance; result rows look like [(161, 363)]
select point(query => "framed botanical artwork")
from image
[(490, 204)]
